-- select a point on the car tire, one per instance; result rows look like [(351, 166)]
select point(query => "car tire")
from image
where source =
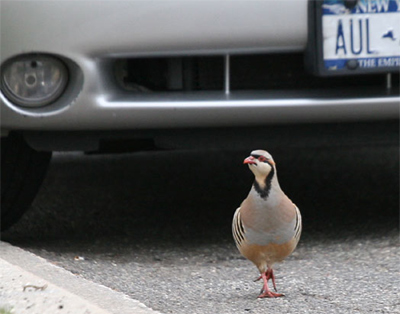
[(22, 172)]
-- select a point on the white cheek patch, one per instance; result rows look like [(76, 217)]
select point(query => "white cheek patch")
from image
[(261, 172)]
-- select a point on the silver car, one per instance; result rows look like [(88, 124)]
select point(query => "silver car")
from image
[(76, 75)]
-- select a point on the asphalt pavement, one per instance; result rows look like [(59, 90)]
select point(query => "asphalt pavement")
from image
[(156, 227)]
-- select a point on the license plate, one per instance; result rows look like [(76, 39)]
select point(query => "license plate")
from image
[(359, 38)]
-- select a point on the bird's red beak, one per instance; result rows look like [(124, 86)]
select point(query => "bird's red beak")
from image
[(250, 160)]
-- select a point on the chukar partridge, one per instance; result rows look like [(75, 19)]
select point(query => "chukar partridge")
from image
[(267, 225)]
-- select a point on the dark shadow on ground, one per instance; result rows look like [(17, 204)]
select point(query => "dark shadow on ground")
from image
[(190, 197)]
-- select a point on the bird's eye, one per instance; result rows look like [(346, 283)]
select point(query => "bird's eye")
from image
[(262, 159)]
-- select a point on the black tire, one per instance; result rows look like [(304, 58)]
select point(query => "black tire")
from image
[(22, 172)]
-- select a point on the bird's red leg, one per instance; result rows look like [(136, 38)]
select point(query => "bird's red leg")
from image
[(270, 274), (265, 292), (258, 279)]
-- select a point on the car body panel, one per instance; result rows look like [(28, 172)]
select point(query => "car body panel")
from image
[(109, 28)]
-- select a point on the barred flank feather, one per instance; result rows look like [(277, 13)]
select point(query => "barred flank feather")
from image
[(298, 225), (238, 229)]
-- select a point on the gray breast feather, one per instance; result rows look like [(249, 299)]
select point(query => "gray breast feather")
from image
[(262, 236), (278, 235)]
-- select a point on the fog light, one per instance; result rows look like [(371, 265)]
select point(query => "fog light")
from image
[(33, 80)]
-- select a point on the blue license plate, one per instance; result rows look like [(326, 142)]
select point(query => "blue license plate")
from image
[(354, 37)]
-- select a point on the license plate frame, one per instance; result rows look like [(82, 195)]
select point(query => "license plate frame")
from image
[(317, 60)]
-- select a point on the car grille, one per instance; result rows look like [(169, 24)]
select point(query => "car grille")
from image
[(246, 72)]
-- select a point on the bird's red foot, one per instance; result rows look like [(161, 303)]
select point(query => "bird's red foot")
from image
[(265, 292), (270, 294)]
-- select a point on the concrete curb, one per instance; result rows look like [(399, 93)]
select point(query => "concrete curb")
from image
[(31, 285)]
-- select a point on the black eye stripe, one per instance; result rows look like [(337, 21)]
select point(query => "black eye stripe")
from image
[(258, 156)]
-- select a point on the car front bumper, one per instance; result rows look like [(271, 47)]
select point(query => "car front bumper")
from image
[(88, 34)]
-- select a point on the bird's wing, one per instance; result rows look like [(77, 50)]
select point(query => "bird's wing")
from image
[(298, 225), (238, 229)]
